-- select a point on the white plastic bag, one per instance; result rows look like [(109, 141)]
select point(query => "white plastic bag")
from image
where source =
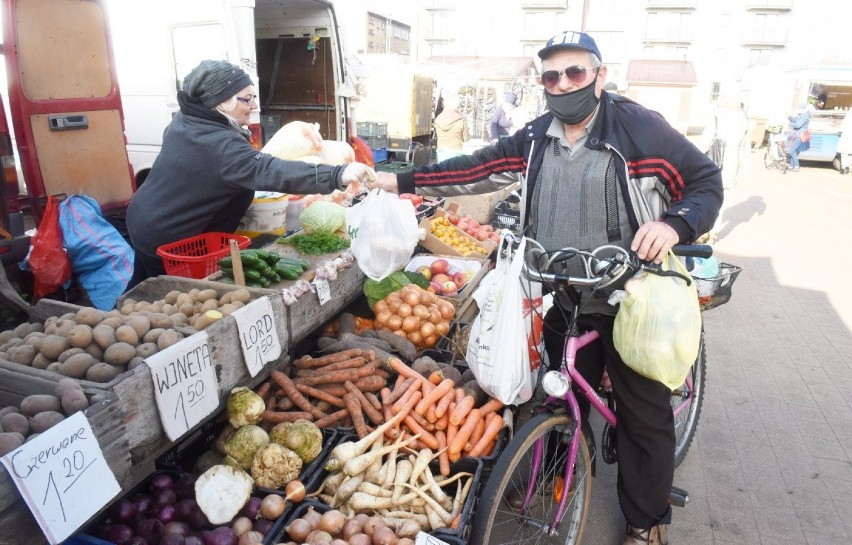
[(383, 230), (658, 325), (504, 348)]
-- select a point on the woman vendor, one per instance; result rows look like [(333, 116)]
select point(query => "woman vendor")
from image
[(206, 175)]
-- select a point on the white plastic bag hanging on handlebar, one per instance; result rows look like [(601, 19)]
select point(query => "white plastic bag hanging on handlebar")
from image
[(383, 230), (657, 328), (504, 348)]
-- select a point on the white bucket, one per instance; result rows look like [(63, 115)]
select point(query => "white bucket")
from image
[(266, 213), (294, 208)]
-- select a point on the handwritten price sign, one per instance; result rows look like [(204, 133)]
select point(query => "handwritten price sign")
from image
[(258, 334), (185, 385), (62, 476)]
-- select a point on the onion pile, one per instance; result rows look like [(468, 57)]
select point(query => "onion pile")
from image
[(167, 514), (416, 314), (334, 528)]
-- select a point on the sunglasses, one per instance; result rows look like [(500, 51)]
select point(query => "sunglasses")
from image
[(247, 100), (576, 74)]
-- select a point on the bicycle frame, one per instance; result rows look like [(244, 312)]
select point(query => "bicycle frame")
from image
[(573, 344)]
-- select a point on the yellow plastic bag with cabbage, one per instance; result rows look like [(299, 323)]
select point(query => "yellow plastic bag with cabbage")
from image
[(658, 325)]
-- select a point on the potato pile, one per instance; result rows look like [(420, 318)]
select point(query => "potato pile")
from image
[(38, 413), (196, 308), (90, 344)]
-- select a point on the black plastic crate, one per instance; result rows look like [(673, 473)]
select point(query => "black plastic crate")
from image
[(184, 456), (468, 465), (507, 216)]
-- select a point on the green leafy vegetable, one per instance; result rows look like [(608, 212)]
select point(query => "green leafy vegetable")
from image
[(417, 278), (316, 243), (323, 217), (378, 290)]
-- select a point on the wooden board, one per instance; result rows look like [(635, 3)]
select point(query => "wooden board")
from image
[(17, 525)]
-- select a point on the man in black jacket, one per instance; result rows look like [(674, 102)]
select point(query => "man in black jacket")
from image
[(599, 169)]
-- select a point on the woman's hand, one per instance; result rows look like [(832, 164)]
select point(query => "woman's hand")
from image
[(358, 172), (386, 181)]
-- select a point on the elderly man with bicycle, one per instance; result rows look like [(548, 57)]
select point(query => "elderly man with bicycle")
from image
[(598, 169)]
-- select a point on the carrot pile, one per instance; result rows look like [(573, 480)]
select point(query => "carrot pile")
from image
[(334, 390), (443, 417)]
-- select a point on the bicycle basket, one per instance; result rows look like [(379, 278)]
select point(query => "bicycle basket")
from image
[(716, 291)]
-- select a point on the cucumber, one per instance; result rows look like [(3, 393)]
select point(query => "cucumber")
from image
[(225, 262), (294, 263), (287, 272), (251, 259), (228, 271)]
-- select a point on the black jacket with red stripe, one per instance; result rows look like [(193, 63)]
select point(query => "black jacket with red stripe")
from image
[(662, 175)]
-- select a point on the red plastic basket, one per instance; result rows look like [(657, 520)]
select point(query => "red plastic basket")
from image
[(196, 257)]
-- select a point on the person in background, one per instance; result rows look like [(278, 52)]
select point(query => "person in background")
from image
[(500, 120), (206, 175), (450, 129), (798, 125), (593, 165)]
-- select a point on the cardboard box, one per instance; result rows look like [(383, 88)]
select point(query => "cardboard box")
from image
[(437, 246)]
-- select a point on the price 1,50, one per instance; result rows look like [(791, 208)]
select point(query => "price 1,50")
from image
[(188, 397)]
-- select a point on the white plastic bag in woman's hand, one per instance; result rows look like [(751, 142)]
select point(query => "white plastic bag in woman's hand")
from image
[(383, 229)]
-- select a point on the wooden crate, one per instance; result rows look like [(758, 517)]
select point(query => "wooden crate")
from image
[(157, 287), (17, 525)]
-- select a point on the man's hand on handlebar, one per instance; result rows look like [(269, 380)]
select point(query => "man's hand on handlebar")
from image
[(653, 240)]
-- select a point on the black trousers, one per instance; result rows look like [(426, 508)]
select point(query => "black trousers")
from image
[(645, 432)]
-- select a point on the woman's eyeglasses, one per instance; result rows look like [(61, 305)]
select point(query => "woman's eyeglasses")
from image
[(576, 74), (247, 100)]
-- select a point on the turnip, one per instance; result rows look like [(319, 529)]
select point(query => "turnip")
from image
[(221, 492)]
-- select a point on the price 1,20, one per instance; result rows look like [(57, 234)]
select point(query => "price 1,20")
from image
[(73, 467), (188, 398)]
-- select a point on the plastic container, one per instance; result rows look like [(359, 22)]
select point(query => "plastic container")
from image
[(267, 213), (196, 257), (295, 205)]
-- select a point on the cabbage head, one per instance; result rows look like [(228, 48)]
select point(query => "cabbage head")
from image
[(323, 217)]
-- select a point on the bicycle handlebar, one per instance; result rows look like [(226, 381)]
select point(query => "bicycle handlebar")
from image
[(613, 267)]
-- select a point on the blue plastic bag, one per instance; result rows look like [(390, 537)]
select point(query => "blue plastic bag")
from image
[(100, 257)]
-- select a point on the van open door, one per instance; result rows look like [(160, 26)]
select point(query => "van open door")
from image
[(65, 102)]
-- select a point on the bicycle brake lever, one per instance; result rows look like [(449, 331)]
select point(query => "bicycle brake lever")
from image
[(656, 269)]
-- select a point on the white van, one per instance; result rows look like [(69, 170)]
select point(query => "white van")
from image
[(291, 48)]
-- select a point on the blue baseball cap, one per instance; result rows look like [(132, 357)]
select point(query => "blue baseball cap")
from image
[(570, 40)]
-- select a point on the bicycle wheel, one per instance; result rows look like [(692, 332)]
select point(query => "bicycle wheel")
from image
[(498, 522), (686, 402)]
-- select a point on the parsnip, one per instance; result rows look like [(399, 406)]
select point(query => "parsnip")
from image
[(344, 452), (403, 472)]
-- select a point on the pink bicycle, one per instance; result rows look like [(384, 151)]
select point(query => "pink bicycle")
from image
[(539, 489)]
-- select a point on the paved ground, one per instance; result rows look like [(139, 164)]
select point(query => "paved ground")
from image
[(772, 462)]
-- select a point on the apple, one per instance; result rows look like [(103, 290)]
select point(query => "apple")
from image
[(436, 287), (452, 218), (462, 277), (473, 223), (440, 266), (440, 278), (425, 271), (449, 287), (462, 225), (481, 235)]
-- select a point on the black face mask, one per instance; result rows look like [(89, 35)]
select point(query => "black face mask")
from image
[(571, 108)]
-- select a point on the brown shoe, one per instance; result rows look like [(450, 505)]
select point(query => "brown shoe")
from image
[(657, 535)]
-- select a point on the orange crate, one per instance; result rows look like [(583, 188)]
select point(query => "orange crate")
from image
[(196, 257)]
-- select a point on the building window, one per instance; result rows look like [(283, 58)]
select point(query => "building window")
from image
[(672, 25), (714, 90)]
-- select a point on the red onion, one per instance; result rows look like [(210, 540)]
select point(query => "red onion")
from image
[(262, 525), (123, 511), (185, 487), (198, 520), (161, 481), (193, 539), (172, 539), (142, 501), (164, 496), (178, 527), (150, 529), (220, 536), (119, 534), (184, 508), (166, 514), (138, 540), (251, 508)]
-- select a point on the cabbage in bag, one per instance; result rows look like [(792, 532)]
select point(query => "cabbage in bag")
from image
[(323, 217)]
